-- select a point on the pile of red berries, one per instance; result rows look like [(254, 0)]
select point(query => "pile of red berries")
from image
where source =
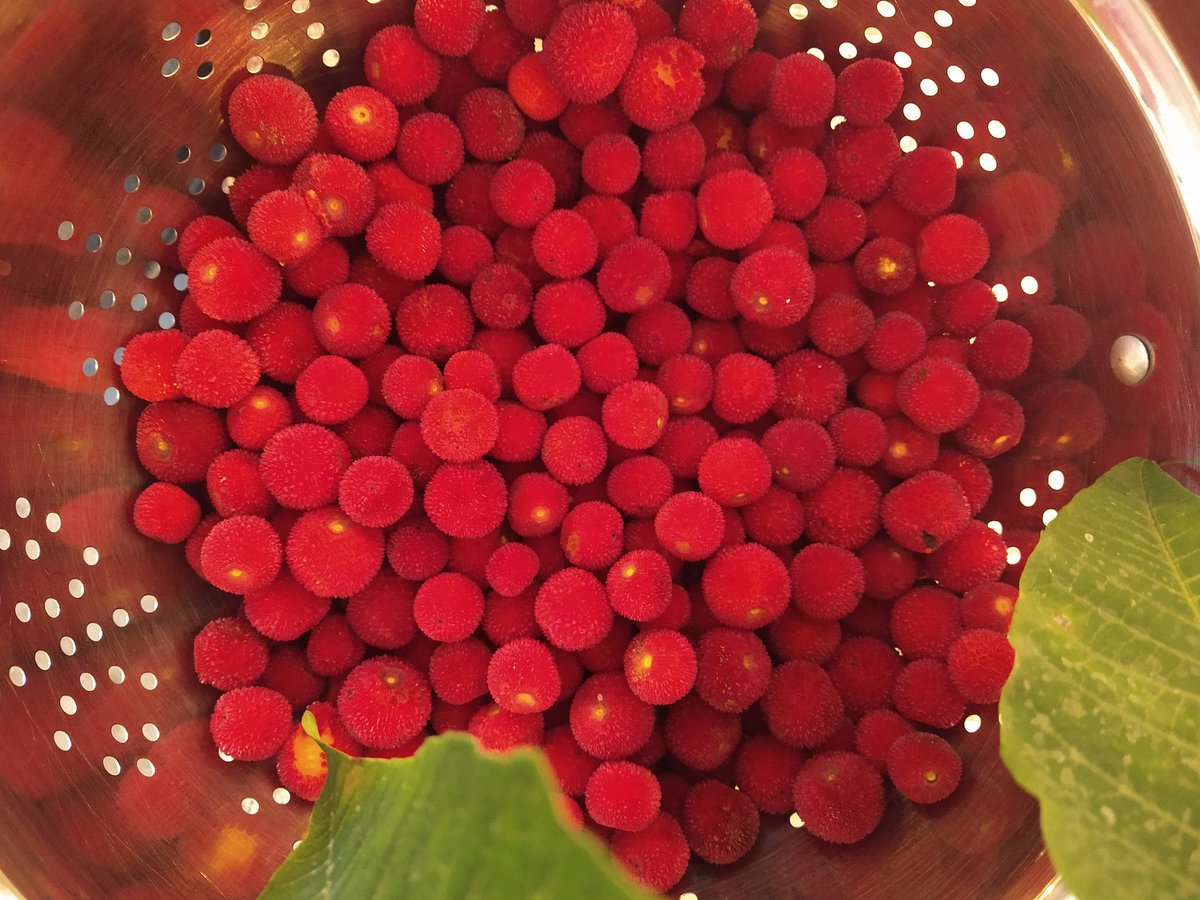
[(576, 384)]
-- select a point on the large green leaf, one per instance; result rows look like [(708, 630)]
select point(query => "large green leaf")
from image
[(451, 823), (1101, 717)]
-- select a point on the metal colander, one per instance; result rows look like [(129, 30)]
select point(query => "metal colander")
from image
[(112, 138)]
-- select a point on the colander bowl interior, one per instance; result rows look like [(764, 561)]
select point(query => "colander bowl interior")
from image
[(112, 137)]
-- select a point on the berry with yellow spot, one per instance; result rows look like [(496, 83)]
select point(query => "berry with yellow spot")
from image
[(301, 763), (639, 585), (660, 666), (607, 719), (522, 677), (362, 123)]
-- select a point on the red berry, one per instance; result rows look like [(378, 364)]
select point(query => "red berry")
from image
[(333, 648), (733, 669), (399, 65), (273, 119), (331, 390), (588, 49), (827, 581), (868, 90), (375, 491), (241, 554), (663, 86), (801, 91), (721, 824), (839, 796), (802, 707), (980, 661), (251, 723), (925, 511), (459, 425), (734, 209), (660, 666), (989, 606), (924, 693), (746, 586), (699, 736), (925, 181), (405, 239), (574, 450), (449, 27), (165, 512), (656, 856), (572, 609), (362, 123), (522, 677), (228, 654), (952, 249), (332, 555), (623, 795), (607, 720), (466, 500), (384, 702), (877, 731), (148, 366), (923, 767)]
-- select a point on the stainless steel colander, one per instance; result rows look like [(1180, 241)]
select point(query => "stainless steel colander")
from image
[(112, 138)]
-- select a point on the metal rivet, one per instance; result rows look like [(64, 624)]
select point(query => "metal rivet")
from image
[(1131, 359)]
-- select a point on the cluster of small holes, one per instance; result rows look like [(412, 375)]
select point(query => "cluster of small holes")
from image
[(172, 65)]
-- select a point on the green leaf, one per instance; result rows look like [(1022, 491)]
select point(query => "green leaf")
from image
[(451, 822), (1101, 717)]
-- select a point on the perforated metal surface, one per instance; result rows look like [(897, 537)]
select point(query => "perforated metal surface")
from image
[(112, 139)]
